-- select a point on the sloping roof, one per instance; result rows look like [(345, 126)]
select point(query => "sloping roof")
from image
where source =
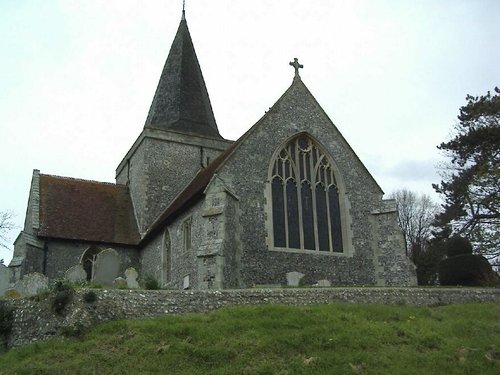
[(86, 210), (181, 100)]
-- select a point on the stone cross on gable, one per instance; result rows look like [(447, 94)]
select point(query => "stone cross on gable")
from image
[(296, 66)]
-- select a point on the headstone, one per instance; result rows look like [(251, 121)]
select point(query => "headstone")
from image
[(293, 278), (106, 267), (4, 279), (185, 282), (323, 283), (76, 274), (31, 284), (131, 276), (120, 282)]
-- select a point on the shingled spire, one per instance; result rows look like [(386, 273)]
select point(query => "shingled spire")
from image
[(181, 100)]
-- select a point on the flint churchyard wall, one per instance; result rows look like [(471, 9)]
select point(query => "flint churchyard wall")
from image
[(35, 321)]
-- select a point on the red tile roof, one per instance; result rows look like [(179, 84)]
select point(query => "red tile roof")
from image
[(86, 210)]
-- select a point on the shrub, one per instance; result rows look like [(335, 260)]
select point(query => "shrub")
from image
[(62, 293), (90, 296), (6, 322), (458, 246), (6, 318), (467, 270), (150, 282)]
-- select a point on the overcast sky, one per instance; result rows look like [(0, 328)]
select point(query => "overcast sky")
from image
[(77, 77)]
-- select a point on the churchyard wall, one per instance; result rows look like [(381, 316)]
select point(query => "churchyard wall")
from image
[(35, 320)]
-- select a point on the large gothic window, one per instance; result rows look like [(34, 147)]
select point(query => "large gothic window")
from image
[(305, 200)]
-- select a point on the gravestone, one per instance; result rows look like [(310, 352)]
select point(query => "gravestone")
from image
[(120, 282), (131, 277), (106, 267), (4, 279), (31, 284), (185, 282), (293, 278), (323, 283), (76, 274)]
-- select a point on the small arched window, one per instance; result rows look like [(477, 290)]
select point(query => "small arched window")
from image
[(305, 199)]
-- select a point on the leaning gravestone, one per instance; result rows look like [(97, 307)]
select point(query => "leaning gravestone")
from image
[(131, 277), (293, 278), (76, 274), (106, 267), (31, 284), (4, 279)]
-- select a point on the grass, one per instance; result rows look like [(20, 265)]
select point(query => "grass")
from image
[(272, 339)]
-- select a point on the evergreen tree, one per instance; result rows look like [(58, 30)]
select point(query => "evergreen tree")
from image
[(471, 184)]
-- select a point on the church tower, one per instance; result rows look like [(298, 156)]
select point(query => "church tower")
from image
[(180, 135)]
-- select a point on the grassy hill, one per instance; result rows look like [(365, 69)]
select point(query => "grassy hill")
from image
[(323, 339)]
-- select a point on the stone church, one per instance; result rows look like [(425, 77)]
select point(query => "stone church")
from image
[(194, 210)]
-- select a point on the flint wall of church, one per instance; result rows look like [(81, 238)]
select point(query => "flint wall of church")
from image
[(232, 244), (160, 169), (61, 255), (247, 172), (150, 258), (183, 260), (392, 268), (135, 174)]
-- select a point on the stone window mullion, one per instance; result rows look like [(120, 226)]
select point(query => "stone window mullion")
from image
[(314, 173), (298, 156), (283, 166), (327, 190)]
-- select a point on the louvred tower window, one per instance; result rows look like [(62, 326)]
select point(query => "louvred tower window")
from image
[(305, 199)]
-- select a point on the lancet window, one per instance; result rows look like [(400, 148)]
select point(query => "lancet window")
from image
[(305, 198)]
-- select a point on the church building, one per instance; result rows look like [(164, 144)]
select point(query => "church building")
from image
[(194, 210)]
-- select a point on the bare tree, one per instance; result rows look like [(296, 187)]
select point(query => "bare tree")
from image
[(416, 218), (416, 215), (6, 225)]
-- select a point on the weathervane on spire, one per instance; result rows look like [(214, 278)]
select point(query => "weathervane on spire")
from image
[(183, 9), (296, 66)]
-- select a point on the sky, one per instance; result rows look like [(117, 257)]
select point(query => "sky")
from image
[(77, 77)]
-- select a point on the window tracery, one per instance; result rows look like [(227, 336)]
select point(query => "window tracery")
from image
[(305, 199)]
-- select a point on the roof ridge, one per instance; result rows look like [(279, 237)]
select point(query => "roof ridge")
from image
[(82, 180)]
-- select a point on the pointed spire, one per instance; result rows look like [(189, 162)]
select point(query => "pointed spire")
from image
[(181, 100)]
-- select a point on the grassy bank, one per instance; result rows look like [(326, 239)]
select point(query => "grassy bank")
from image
[(326, 339)]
